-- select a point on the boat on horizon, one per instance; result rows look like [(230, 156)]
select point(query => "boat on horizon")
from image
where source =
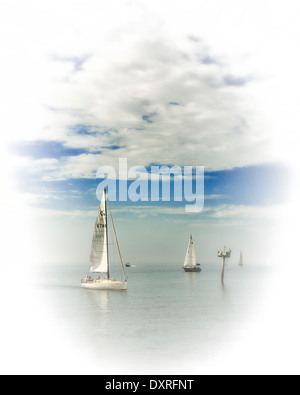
[(99, 258), (190, 263), (128, 264)]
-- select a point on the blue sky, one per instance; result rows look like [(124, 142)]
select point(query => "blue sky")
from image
[(252, 185), (261, 185)]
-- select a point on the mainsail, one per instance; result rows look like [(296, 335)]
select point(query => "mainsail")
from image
[(99, 251), (190, 259)]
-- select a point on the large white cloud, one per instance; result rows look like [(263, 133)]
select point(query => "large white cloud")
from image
[(176, 83)]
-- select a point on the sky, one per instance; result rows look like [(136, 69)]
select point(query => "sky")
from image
[(194, 84), (177, 83)]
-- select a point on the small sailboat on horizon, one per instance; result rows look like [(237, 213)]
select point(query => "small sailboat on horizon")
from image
[(190, 263), (99, 258)]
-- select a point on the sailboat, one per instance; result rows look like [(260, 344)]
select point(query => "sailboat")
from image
[(190, 263), (241, 263), (99, 258)]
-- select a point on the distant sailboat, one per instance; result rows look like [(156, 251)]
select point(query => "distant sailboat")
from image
[(190, 263), (241, 263), (99, 259)]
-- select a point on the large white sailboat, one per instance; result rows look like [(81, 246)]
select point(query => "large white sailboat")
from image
[(99, 258), (190, 263)]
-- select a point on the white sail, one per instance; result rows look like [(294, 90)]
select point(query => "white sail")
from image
[(99, 252), (190, 259)]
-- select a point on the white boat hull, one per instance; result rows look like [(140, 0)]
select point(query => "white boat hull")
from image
[(105, 285)]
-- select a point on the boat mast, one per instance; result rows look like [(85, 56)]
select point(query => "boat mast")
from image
[(121, 260), (105, 192)]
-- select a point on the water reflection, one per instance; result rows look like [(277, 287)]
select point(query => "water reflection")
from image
[(101, 300), (191, 279), (99, 308)]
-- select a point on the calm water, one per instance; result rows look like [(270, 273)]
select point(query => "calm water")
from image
[(164, 317)]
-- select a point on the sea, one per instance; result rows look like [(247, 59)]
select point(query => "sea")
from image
[(167, 322)]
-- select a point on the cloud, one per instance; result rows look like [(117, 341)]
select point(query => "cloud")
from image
[(243, 212), (220, 214), (161, 90)]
